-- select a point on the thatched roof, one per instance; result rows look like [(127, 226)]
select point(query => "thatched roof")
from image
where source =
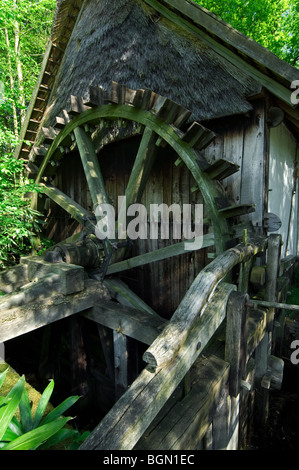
[(161, 48), (118, 40)]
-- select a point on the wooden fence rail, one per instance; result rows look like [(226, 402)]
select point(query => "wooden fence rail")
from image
[(210, 302)]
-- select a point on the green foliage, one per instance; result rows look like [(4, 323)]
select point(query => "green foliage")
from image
[(18, 222), (272, 23), (25, 27), (38, 431)]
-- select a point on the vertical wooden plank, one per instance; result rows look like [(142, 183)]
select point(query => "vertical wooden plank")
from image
[(78, 359), (272, 270), (233, 152), (107, 346), (235, 343), (282, 161), (220, 423), (262, 395), (253, 174), (120, 363)]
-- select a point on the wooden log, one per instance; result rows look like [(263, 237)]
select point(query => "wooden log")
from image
[(127, 421), (164, 349), (20, 320), (235, 343)]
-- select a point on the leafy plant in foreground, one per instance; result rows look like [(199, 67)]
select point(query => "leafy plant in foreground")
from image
[(38, 431)]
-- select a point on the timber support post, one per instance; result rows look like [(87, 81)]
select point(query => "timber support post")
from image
[(235, 343), (263, 351)]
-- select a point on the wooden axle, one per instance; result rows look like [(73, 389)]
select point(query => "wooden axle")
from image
[(86, 253)]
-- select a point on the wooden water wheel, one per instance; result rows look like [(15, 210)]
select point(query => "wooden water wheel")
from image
[(160, 123)]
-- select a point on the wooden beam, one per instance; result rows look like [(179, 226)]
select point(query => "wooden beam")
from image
[(158, 255), (91, 168), (12, 278), (183, 427), (235, 342), (182, 321), (272, 272), (142, 326), (124, 295), (120, 363), (71, 207), (142, 167), (20, 320), (127, 421), (71, 277)]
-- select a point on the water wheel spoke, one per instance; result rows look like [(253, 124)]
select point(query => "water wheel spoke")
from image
[(80, 214), (158, 255), (91, 168)]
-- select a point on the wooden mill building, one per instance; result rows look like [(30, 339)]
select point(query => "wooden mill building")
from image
[(162, 102)]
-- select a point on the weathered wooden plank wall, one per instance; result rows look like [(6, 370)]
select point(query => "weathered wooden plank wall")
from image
[(242, 140), (283, 185)]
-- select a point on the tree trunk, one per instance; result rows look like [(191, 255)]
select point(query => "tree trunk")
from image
[(12, 84), (19, 69)]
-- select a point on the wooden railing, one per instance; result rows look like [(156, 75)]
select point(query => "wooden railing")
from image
[(185, 344)]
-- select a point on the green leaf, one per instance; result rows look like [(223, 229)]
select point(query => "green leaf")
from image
[(2, 376), (59, 437), (9, 435), (60, 409), (43, 402), (15, 426), (32, 439), (7, 412), (25, 412), (3, 401)]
